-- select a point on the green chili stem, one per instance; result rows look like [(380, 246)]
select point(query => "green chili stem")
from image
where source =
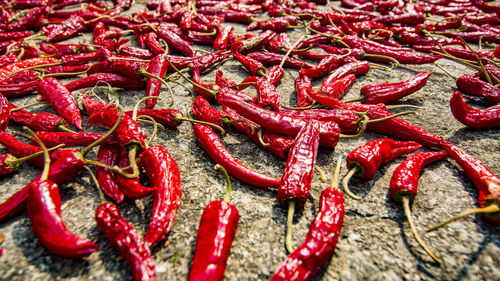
[(488, 209), (109, 133), (46, 157), (36, 154), (227, 196), (345, 182)]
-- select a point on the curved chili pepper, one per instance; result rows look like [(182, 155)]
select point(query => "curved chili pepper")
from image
[(337, 88), (404, 183), (303, 86), (222, 39), (390, 92), (158, 66), (268, 95), (130, 51), (275, 74), (61, 99), (65, 30), (474, 118), (216, 232), (123, 237), (175, 42), (216, 150), (346, 119), (475, 87), (273, 59), (109, 155), (51, 139), (252, 65), (12, 68), (493, 72), (257, 42), (278, 24), (132, 188), (323, 67), (42, 121), (163, 174), (115, 80)]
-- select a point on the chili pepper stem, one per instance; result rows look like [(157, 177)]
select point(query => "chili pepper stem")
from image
[(390, 117), (63, 128), (155, 129), (259, 137), (227, 196), (336, 174), (102, 197), (289, 223), (290, 50), (34, 67), (46, 157), (143, 71), (355, 99), (179, 118), (445, 71), (189, 80), (345, 183), (226, 121), (322, 175), (27, 105), (364, 123), (136, 107), (406, 207), (488, 209), (109, 133)]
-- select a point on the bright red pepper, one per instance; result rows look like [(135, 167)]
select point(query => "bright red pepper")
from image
[(472, 117), (109, 155), (475, 87)]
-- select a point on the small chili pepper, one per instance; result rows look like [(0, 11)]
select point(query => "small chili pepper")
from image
[(216, 150), (295, 184), (222, 39), (275, 74), (390, 92), (475, 87), (222, 81), (9, 163), (44, 211), (321, 239), (42, 121), (474, 118), (257, 42), (337, 88), (108, 154), (175, 42), (61, 99), (268, 95), (323, 67), (216, 232), (252, 65), (456, 52), (115, 80), (163, 173), (273, 59), (364, 160), (404, 183), (123, 237)]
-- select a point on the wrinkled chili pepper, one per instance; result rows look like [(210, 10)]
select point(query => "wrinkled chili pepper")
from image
[(273, 59), (323, 67), (475, 87), (132, 188), (252, 65), (109, 155), (472, 117), (364, 160), (337, 88), (175, 42), (123, 237), (51, 139), (158, 66), (216, 232), (222, 39), (115, 80), (211, 143), (268, 95), (65, 30), (163, 173), (55, 93), (42, 121), (275, 74), (404, 183)]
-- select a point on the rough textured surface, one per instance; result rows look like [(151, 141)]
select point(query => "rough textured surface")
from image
[(375, 242)]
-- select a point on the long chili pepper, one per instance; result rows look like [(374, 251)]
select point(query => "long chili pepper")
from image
[(123, 237), (158, 67), (5, 114), (295, 184), (132, 188), (114, 80), (279, 24), (252, 65), (472, 117), (323, 67), (42, 121), (268, 95), (216, 150), (139, 53), (61, 99), (65, 30), (9, 163), (347, 120), (364, 160), (404, 183), (475, 87), (44, 211), (216, 233), (319, 244), (108, 154), (337, 88), (257, 42), (303, 86), (456, 52), (13, 68), (493, 72), (52, 139), (175, 42), (390, 92), (163, 173), (221, 41), (272, 59)]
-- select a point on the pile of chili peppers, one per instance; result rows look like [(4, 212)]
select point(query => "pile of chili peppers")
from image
[(175, 42)]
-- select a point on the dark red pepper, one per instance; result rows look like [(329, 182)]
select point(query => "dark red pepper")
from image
[(472, 117), (109, 154), (115, 80), (323, 67), (475, 87)]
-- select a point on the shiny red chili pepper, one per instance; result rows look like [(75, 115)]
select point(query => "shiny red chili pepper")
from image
[(475, 87), (390, 92), (55, 93), (337, 88), (273, 59), (14, 35), (323, 67), (404, 183), (256, 42), (42, 121), (275, 74), (216, 232), (158, 66), (472, 117), (268, 95), (163, 173), (8, 59), (211, 143), (411, 38), (123, 237), (279, 123), (456, 52), (139, 53), (109, 155), (175, 42), (474, 36), (51, 139), (5, 113), (28, 21), (303, 86), (132, 188), (222, 39), (496, 52), (222, 81), (65, 30), (12, 68), (115, 80), (252, 65), (279, 24), (164, 116), (346, 119), (493, 72)]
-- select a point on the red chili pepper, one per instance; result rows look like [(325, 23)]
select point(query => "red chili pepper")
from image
[(135, 52), (273, 59), (411, 38), (474, 118), (303, 86), (275, 74), (115, 80), (42, 121), (493, 72), (475, 87), (164, 116), (5, 113), (216, 232), (390, 92), (222, 81), (28, 21), (222, 39), (279, 123), (61, 99), (404, 183), (257, 42), (132, 188), (323, 67), (268, 95), (347, 120), (8, 59), (496, 52), (123, 237), (157, 66), (474, 36), (480, 4), (252, 65), (320, 241), (14, 35), (153, 44), (216, 150), (51, 139), (12, 68), (175, 42), (456, 52), (65, 30), (109, 155), (337, 88), (163, 173)]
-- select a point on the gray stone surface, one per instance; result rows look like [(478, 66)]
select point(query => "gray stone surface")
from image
[(375, 241)]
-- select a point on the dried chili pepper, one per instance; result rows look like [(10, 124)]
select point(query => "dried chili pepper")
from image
[(472, 117), (163, 173), (216, 232), (9, 163), (319, 244), (216, 150), (252, 65), (158, 66), (108, 154), (275, 74), (42, 121), (132, 188), (274, 59), (44, 211), (123, 237), (404, 183), (175, 42), (323, 67), (364, 160), (279, 24), (115, 80), (337, 88), (222, 39), (475, 87), (52, 139), (65, 30), (268, 95), (61, 99)]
